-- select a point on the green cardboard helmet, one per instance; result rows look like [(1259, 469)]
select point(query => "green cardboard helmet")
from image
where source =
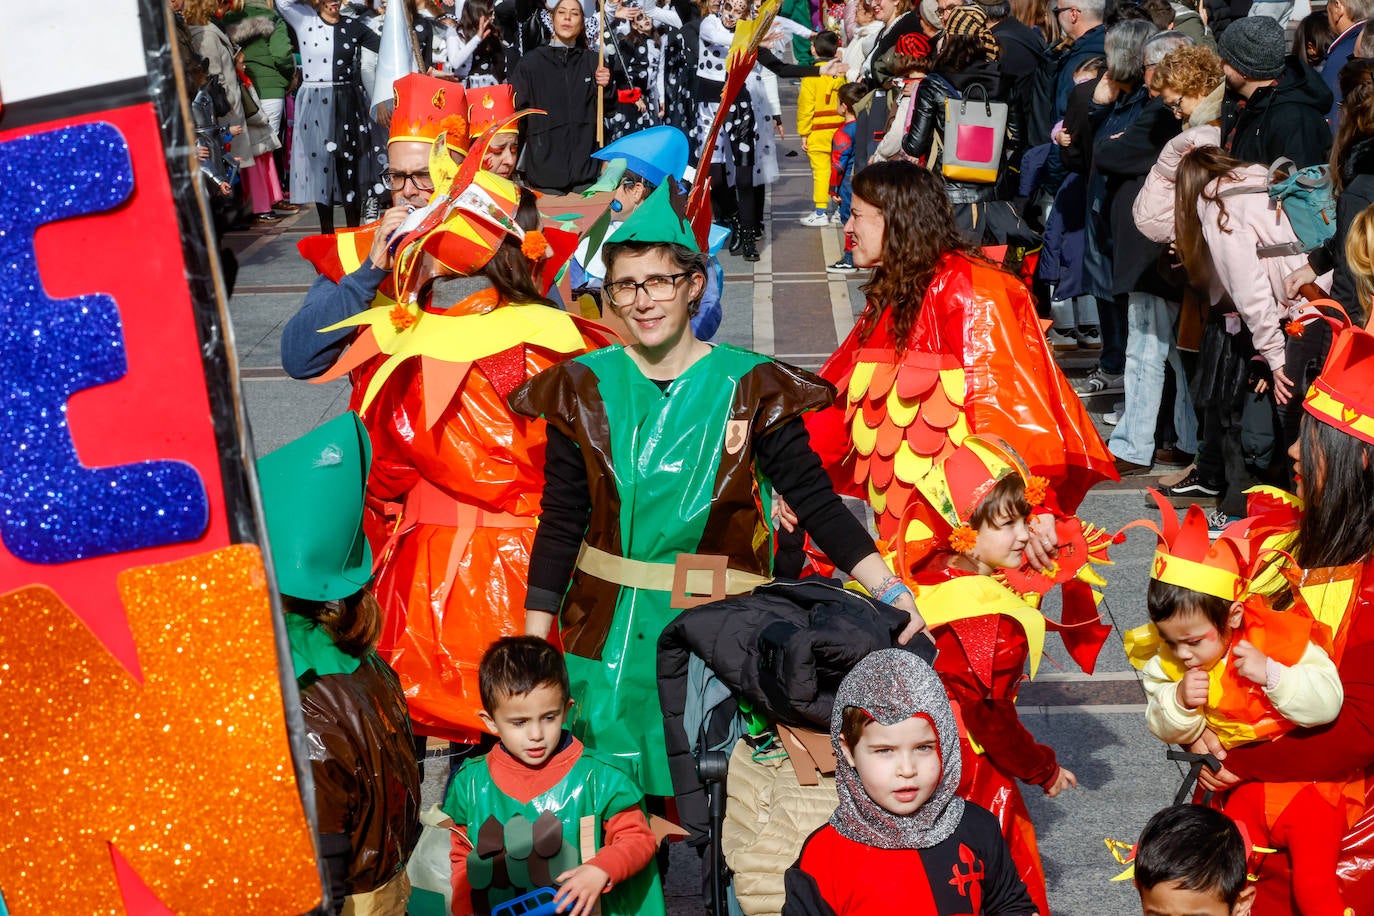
[(655, 220), (312, 495)]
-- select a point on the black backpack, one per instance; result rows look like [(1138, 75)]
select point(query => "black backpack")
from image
[(218, 95)]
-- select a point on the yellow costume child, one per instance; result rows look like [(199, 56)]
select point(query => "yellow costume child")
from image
[(818, 117)]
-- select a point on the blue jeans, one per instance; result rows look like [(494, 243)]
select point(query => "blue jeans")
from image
[(1150, 343)]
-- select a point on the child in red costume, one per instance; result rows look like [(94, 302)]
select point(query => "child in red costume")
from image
[(901, 840), (1216, 658), (970, 519)]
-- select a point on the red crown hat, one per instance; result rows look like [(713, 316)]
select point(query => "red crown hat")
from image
[(949, 492), (1341, 396), (488, 105), (426, 107), (1188, 556)]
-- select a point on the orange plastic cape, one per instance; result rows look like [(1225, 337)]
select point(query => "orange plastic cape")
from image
[(976, 362), (452, 507)]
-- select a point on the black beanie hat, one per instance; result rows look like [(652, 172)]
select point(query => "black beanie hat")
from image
[(1254, 47)]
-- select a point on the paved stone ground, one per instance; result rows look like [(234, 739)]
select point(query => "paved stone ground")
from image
[(787, 306)]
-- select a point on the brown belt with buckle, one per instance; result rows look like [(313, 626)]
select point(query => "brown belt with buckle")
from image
[(693, 579)]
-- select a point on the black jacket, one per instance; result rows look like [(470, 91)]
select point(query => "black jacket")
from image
[(1286, 119), (785, 649), (1023, 48), (1357, 194), (928, 121), (1125, 159), (557, 146)]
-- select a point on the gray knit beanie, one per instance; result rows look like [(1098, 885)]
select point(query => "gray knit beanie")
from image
[(1254, 47)]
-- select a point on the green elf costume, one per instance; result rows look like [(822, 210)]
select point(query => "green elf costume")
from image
[(528, 825), (675, 507)]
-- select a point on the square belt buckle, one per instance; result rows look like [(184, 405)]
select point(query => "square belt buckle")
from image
[(687, 596)]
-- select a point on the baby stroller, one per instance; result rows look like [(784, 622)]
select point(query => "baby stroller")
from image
[(749, 667)]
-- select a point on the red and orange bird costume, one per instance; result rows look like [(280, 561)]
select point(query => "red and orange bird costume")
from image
[(987, 633), (1342, 599), (1305, 818), (454, 492), (976, 362)]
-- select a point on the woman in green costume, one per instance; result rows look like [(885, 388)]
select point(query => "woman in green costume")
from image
[(661, 463)]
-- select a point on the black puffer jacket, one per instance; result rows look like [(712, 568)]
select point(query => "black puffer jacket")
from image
[(1357, 194), (784, 649), (928, 121)]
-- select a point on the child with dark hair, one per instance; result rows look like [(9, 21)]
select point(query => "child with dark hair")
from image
[(1191, 859), (1218, 658), (842, 168), (818, 117), (900, 830), (542, 810)]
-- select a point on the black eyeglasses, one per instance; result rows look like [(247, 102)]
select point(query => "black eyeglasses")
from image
[(1063, 9), (1175, 105), (397, 180), (658, 287)]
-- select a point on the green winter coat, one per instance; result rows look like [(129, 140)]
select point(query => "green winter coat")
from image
[(266, 44)]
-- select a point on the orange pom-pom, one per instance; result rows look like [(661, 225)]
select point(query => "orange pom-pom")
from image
[(456, 126), (1036, 489), (1295, 328), (962, 539), (534, 245), (401, 317)]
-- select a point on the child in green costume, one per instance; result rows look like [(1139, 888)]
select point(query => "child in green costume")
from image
[(541, 810)]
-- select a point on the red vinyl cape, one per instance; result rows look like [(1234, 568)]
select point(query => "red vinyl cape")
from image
[(984, 319)]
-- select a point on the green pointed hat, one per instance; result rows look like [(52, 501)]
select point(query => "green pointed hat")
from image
[(312, 495), (655, 220)]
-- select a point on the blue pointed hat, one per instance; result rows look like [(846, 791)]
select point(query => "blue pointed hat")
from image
[(654, 154)]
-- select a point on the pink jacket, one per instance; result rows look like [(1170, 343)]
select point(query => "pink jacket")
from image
[(1154, 205), (1255, 284)]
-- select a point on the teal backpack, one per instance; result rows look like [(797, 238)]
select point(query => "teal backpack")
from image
[(1306, 197)]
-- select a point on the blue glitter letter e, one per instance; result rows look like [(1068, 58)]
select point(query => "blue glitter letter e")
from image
[(52, 508)]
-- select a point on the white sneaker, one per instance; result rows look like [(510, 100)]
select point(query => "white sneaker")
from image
[(835, 219), (815, 219), (1060, 341), (1112, 417)]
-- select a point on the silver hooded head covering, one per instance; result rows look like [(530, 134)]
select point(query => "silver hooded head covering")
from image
[(892, 685)]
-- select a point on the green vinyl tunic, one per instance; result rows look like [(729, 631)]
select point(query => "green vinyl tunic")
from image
[(670, 472), (597, 786)]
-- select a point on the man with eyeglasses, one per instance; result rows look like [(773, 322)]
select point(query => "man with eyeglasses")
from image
[(1081, 22), (425, 107)]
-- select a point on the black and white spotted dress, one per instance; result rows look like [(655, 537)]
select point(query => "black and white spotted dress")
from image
[(332, 147), (744, 144), (635, 67)]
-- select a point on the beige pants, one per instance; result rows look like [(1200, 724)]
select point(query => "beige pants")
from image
[(387, 900)]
